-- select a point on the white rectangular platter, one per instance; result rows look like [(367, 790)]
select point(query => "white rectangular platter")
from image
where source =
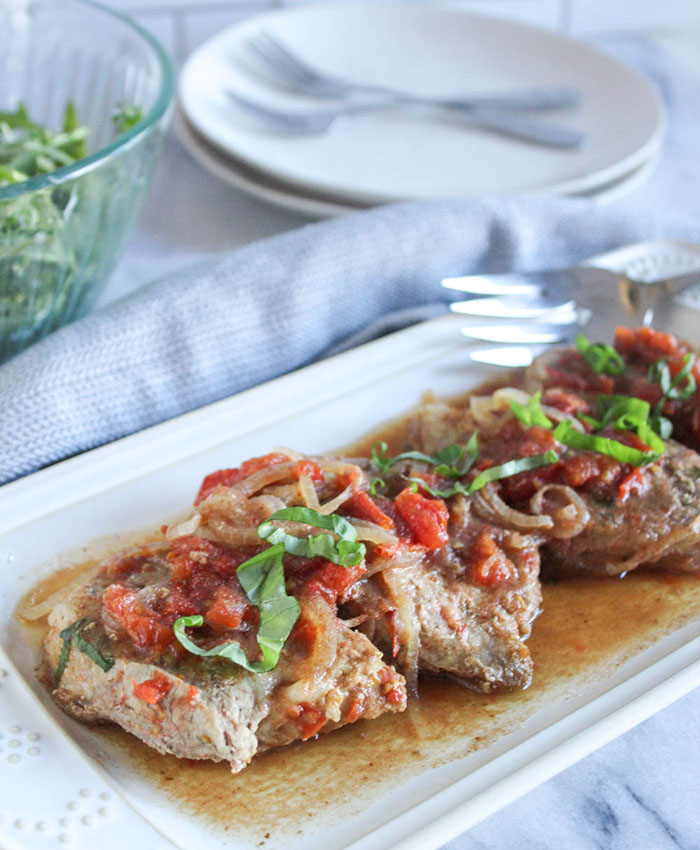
[(68, 783)]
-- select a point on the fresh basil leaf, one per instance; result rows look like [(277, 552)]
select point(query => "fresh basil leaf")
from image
[(566, 434), (71, 636), (673, 389), (512, 467), (376, 482), (262, 579), (346, 552), (603, 359), (662, 426), (418, 483), (104, 662), (380, 460), (453, 461), (531, 413)]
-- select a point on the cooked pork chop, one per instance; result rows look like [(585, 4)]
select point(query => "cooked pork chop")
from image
[(657, 527), (207, 708), (463, 610), (622, 517)]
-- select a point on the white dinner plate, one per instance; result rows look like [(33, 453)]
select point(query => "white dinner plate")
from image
[(261, 185), (393, 155), (77, 785)]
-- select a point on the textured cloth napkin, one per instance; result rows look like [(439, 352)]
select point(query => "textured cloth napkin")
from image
[(273, 306)]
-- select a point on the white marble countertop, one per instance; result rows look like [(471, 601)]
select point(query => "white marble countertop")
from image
[(643, 790)]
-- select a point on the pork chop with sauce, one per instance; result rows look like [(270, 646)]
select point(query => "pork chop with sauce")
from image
[(209, 708), (622, 517)]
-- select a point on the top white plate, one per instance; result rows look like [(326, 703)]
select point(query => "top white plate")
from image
[(389, 156)]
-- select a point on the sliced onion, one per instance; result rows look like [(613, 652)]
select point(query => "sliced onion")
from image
[(220, 530), (407, 619), (570, 518), (268, 503), (291, 453), (37, 610), (373, 533), (308, 492), (255, 482), (489, 505), (334, 504), (188, 526)]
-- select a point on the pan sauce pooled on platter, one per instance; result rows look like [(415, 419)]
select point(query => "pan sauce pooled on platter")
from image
[(303, 594)]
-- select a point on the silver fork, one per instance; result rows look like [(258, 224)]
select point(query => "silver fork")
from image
[(518, 311), (517, 125), (289, 71)]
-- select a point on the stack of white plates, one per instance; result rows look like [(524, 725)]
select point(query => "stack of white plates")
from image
[(396, 155)]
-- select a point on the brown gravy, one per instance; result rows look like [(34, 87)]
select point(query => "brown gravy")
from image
[(586, 630)]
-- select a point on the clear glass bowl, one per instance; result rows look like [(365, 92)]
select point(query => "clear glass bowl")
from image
[(61, 233)]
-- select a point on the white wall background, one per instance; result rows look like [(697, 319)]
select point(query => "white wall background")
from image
[(183, 24)]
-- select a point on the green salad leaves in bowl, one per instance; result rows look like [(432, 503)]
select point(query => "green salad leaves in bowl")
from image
[(83, 104)]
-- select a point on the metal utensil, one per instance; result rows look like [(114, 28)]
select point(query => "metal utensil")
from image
[(286, 69), (518, 311), (514, 124)]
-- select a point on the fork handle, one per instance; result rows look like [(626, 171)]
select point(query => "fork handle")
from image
[(521, 126)]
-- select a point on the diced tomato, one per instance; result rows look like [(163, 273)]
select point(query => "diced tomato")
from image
[(427, 518), (636, 482), (490, 566), (228, 609), (355, 711), (177, 605), (139, 621), (331, 580), (228, 477), (390, 617), (309, 718), (152, 690), (537, 441), (566, 402), (391, 686), (192, 694), (304, 635), (362, 506), (308, 467), (190, 554)]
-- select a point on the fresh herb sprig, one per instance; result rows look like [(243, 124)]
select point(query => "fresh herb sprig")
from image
[(454, 461), (678, 388), (493, 473), (602, 358), (347, 552), (262, 579), (72, 636), (531, 413)]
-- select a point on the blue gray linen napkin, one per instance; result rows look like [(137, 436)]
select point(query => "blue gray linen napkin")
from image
[(271, 307)]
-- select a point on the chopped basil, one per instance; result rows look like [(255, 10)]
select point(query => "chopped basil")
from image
[(376, 482), (531, 413), (71, 636), (418, 483), (493, 473), (566, 434), (512, 467), (454, 461), (671, 387), (347, 552), (603, 359), (262, 579)]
